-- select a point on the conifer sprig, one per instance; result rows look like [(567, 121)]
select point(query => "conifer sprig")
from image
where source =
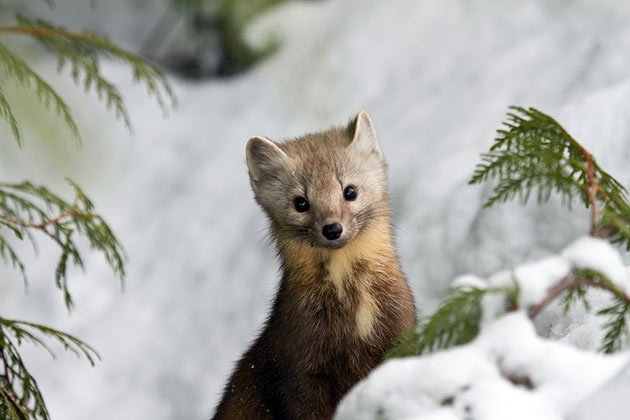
[(534, 152), (456, 321), (20, 396), (80, 51), (6, 113), (14, 67), (25, 207), (617, 325)]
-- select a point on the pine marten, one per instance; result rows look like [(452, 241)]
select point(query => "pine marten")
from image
[(343, 298)]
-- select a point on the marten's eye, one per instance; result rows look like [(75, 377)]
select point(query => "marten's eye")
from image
[(349, 193), (301, 204)]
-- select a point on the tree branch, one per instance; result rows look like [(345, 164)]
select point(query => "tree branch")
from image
[(568, 283), (571, 282), (42, 225), (592, 191)]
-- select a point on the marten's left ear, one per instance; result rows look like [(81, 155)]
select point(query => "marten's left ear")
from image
[(364, 138)]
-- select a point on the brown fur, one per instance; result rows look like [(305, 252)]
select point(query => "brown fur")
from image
[(338, 309)]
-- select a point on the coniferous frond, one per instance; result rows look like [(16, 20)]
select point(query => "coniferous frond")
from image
[(24, 331), (25, 207), (594, 278), (82, 51), (20, 396), (7, 114), (618, 313), (14, 67), (455, 322), (8, 254), (577, 294), (534, 152), (617, 326), (615, 223)]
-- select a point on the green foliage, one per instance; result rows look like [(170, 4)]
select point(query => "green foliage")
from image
[(573, 296), (27, 209), (6, 113), (617, 325), (81, 52), (14, 67), (615, 223), (20, 396), (456, 321), (534, 152)]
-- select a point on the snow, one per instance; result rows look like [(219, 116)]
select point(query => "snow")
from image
[(533, 279), (599, 255), (470, 281), (610, 402), (536, 278), (436, 78)]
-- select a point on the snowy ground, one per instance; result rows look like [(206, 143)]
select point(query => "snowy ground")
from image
[(435, 76)]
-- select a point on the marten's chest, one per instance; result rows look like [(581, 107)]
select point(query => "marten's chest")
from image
[(340, 300), (350, 284)]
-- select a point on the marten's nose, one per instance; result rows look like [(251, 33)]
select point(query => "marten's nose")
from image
[(332, 232)]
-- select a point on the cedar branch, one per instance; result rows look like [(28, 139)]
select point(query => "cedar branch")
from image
[(593, 191), (571, 282), (568, 283)]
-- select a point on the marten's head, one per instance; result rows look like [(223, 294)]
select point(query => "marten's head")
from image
[(321, 189)]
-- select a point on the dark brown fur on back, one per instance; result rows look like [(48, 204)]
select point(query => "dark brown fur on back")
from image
[(336, 312)]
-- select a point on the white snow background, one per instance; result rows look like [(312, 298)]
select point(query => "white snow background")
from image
[(436, 77)]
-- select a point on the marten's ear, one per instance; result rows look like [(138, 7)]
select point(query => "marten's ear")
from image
[(264, 158), (364, 136)]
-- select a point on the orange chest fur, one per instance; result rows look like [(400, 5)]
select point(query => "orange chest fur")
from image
[(350, 278)]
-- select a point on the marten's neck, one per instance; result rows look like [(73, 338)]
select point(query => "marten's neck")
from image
[(353, 272)]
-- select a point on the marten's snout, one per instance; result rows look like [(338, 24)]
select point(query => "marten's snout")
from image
[(332, 232)]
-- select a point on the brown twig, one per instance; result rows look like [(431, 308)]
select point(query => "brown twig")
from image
[(571, 282), (8, 396), (36, 31), (42, 225), (567, 283), (592, 191), (605, 286)]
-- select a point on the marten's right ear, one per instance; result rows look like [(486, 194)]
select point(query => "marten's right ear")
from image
[(264, 158)]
